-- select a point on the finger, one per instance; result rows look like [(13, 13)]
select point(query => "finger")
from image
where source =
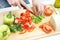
[(9, 1), (39, 10), (18, 3), (34, 10), (25, 5), (19, 6)]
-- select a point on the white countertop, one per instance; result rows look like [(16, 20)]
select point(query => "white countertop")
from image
[(53, 37)]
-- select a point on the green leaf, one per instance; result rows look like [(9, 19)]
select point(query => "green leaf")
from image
[(12, 29), (18, 27)]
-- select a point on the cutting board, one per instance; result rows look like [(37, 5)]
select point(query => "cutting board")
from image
[(36, 33)]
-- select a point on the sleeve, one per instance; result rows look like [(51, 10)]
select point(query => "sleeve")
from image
[(4, 4)]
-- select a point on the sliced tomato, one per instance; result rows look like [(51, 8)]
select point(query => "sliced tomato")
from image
[(46, 28), (48, 10), (25, 26)]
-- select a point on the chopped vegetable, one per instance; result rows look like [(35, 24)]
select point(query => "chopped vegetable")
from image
[(37, 19), (15, 28), (18, 27), (46, 28), (26, 20), (9, 19), (48, 10), (28, 27)]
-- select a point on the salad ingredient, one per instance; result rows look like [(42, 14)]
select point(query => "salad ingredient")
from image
[(4, 29), (26, 20), (28, 27), (48, 10), (37, 19), (1, 36), (9, 19), (46, 28), (15, 28)]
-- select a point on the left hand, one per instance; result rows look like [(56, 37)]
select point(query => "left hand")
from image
[(37, 7)]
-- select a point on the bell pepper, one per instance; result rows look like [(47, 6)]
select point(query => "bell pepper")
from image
[(9, 19), (37, 19), (4, 32)]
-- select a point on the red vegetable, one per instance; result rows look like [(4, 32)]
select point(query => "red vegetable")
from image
[(46, 28), (26, 20), (48, 10)]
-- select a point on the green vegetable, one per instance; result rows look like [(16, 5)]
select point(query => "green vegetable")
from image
[(37, 19), (15, 28), (18, 27), (1, 36), (9, 19), (57, 4), (4, 31)]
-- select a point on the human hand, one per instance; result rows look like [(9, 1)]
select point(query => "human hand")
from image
[(18, 3), (37, 7)]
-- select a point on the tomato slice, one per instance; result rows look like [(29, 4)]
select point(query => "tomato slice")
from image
[(26, 26), (31, 28), (48, 10), (46, 28), (26, 20)]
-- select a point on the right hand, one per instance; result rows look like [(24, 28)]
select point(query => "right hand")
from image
[(18, 3)]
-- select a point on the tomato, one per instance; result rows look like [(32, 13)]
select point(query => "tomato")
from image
[(48, 10), (31, 28), (25, 26), (26, 20), (46, 28), (28, 27)]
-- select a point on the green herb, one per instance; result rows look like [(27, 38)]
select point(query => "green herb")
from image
[(15, 28), (18, 27)]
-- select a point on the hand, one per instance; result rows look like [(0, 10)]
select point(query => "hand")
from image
[(18, 3), (37, 7)]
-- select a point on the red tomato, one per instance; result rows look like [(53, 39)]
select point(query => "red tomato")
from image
[(31, 28), (28, 27), (26, 20), (25, 26), (46, 28), (48, 10)]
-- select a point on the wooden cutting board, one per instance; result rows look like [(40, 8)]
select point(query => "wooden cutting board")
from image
[(37, 33)]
